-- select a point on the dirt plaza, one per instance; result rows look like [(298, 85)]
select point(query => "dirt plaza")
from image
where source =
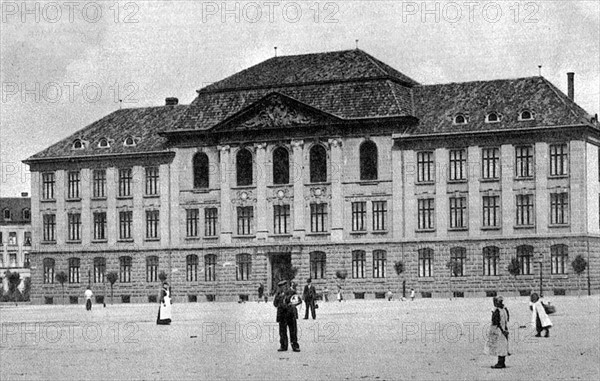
[(357, 339)]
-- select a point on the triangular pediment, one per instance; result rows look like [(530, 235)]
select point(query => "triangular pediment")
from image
[(275, 111)]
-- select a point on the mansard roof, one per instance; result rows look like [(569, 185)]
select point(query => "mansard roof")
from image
[(340, 86), (16, 206)]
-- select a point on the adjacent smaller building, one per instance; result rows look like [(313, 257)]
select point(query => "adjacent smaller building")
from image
[(15, 236)]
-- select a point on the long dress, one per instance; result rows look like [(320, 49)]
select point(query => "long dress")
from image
[(497, 343), (539, 318), (164, 309)]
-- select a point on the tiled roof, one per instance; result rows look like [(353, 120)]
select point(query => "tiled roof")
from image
[(346, 65), (351, 100), (437, 105), (16, 206), (143, 124)]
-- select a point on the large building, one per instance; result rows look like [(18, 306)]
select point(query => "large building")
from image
[(330, 163), (15, 237)]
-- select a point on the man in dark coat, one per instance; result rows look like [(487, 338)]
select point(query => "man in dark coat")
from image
[(286, 317), (309, 295)]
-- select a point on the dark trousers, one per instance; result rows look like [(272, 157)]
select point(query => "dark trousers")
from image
[(88, 304), (283, 328), (310, 304)]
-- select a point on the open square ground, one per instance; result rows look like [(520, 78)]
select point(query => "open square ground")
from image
[(371, 339)]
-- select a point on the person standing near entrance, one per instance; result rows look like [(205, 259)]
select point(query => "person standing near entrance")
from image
[(88, 298), (286, 317), (309, 295)]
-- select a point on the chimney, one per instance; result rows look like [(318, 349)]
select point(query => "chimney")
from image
[(171, 102), (24, 194), (571, 85)]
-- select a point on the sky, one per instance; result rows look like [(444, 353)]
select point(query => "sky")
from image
[(65, 64)]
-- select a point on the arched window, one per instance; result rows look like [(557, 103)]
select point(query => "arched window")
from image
[(99, 269), (78, 144), (152, 268), (379, 258), (6, 214), (358, 264), (243, 265), (26, 214), (200, 164), (74, 270), (526, 115), (281, 166), (317, 265), (125, 269), (525, 257), (210, 267), (458, 256), (368, 161), (48, 270), (318, 164), (558, 259), (103, 143), (191, 268), (425, 262), (492, 117), (460, 119), (244, 167), (491, 259), (129, 142)]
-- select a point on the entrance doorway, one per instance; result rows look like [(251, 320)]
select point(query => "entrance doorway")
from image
[(280, 268)]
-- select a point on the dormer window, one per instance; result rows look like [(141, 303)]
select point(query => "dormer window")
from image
[(26, 214), (103, 143), (492, 117), (526, 115), (6, 214), (129, 142), (78, 144), (460, 119)]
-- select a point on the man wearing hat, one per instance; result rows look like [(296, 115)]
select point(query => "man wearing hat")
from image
[(309, 295), (286, 316)]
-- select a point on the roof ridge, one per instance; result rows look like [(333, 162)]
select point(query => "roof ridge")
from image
[(477, 80), (372, 59)]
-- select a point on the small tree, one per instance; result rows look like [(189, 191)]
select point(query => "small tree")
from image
[(14, 279), (112, 278), (579, 265), (341, 275), (62, 278), (514, 269), (399, 268), (288, 272), (26, 289), (455, 267), (162, 276)]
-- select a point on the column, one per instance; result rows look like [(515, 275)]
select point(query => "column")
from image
[(337, 200), (542, 198), (298, 179), (397, 208), (226, 205), (86, 195), (507, 157), (474, 197), (261, 191), (442, 211)]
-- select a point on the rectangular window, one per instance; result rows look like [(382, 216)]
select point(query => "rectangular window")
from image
[(524, 161), (152, 269), (458, 212), (74, 270), (210, 222), (48, 186), (48, 271), (99, 270), (559, 208), (525, 210), (525, 256), (425, 261), (558, 259), (491, 211), (12, 238), (191, 222), (425, 167), (125, 178), (426, 213), (100, 225), (49, 222), (281, 219), (490, 164), (245, 217), (99, 183), (73, 186), (125, 222), (379, 215), (358, 264), (559, 160), (318, 218), (125, 270), (491, 259), (74, 226), (458, 165), (191, 268), (152, 224), (243, 267), (151, 181), (359, 216), (26, 238), (210, 268)]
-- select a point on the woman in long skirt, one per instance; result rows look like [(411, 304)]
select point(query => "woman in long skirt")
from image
[(497, 338), (164, 309), (539, 317)]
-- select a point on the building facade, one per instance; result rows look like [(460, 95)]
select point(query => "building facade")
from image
[(15, 237), (332, 164)]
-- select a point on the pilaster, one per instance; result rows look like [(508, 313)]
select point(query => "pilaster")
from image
[(261, 191), (337, 202), (226, 205), (298, 183)]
